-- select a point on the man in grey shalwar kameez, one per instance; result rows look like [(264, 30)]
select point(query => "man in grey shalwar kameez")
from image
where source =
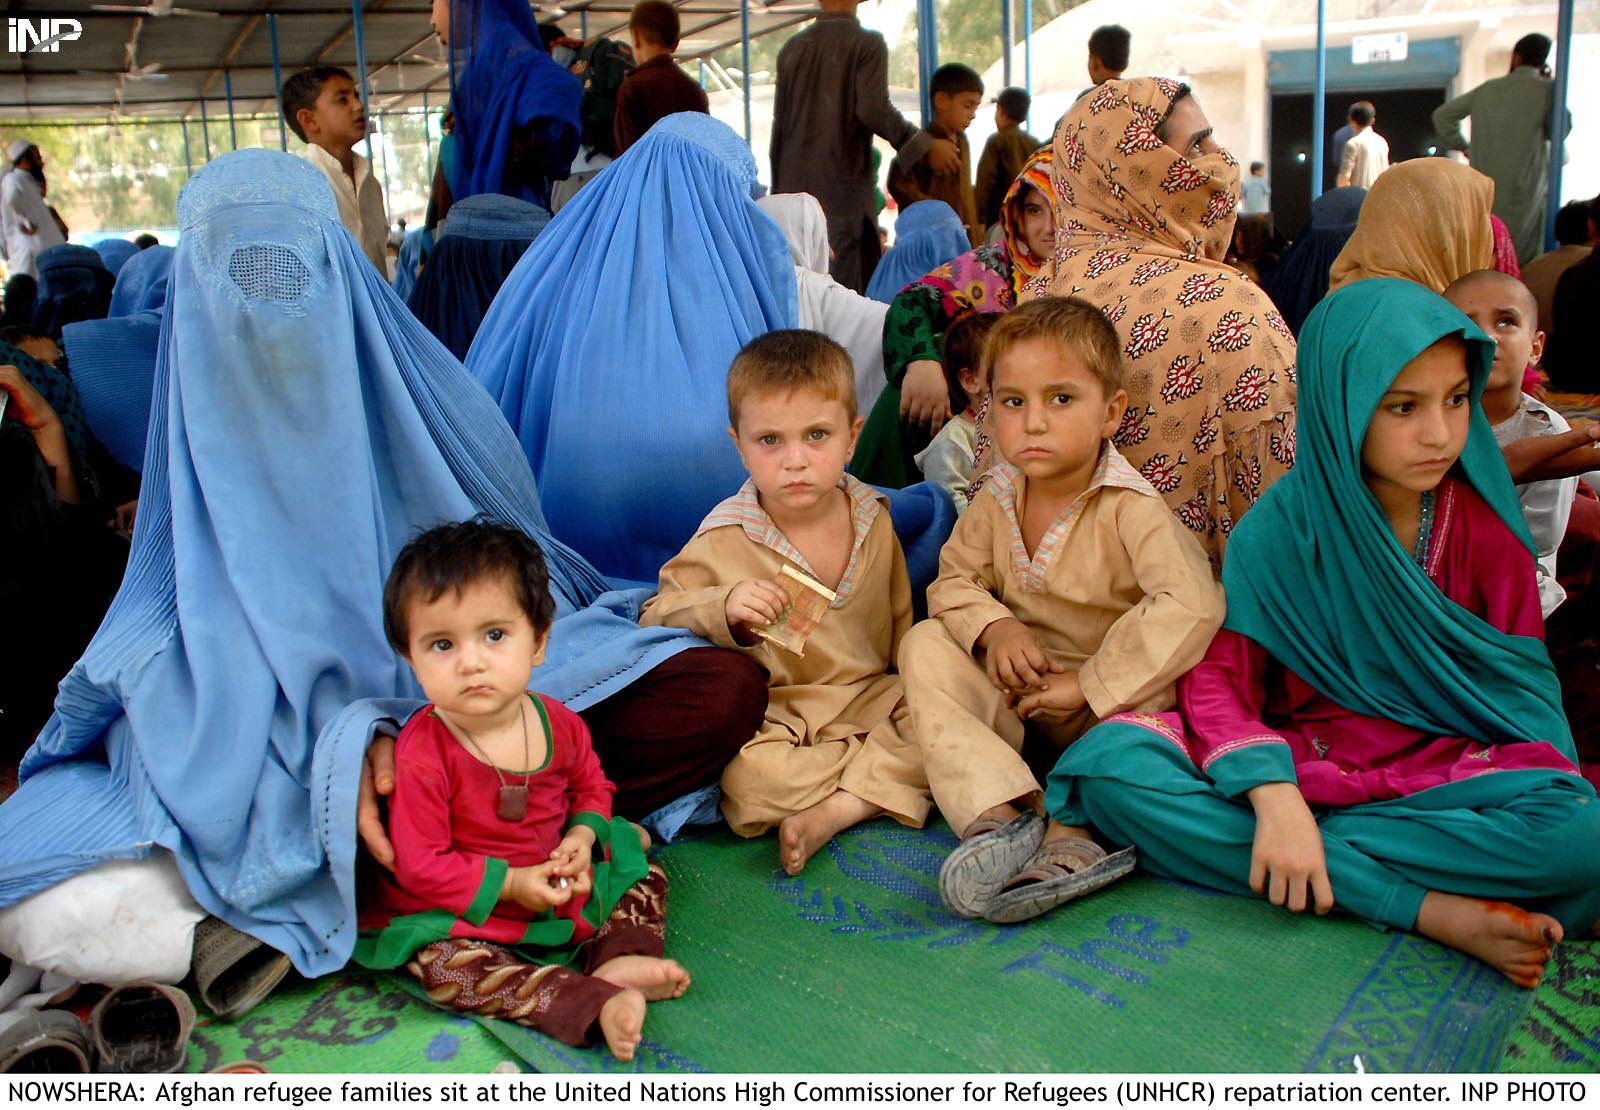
[(1510, 140), (832, 97)]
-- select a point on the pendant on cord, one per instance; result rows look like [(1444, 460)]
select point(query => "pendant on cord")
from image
[(513, 803)]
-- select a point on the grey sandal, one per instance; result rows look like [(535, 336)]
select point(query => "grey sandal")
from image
[(45, 1042), (986, 860), (233, 971), (142, 1028), (1058, 872)]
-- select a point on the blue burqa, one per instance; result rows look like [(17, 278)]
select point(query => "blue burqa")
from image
[(305, 427), (74, 285), (113, 361), (483, 240), (608, 347), (115, 253), (926, 236), (516, 110)]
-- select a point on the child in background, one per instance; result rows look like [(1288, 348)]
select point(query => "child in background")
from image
[(322, 106), (957, 93), (1506, 311), (509, 866), (1067, 593), (1378, 725), (948, 460), (831, 752), (1004, 155)]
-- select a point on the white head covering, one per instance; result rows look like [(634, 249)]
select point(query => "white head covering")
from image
[(804, 225), (18, 148)]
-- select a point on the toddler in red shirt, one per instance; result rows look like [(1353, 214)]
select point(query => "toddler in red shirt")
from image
[(515, 892)]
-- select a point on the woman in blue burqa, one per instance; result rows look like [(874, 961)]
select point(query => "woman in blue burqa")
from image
[(516, 110), (304, 427), (608, 350)]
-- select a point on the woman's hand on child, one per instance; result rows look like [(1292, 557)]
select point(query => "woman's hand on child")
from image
[(1060, 701), (754, 602), (1015, 661), (924, 395), (377, 781), (1551, 458), (1287, 862)]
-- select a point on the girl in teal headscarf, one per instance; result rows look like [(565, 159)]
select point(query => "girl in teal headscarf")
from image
[(1383, 650)]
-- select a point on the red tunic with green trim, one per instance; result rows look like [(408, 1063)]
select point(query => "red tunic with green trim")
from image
[(452, 850)]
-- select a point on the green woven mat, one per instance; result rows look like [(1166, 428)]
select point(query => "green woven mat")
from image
[(855, 966)]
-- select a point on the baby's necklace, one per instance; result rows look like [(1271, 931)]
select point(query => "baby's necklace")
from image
[(513, 804)]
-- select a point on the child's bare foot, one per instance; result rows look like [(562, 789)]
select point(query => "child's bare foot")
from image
[(622, 1023), (655, 978), (802, 834), (1511, 940)]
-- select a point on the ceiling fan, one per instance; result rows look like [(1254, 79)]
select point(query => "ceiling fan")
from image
[(156, 8)]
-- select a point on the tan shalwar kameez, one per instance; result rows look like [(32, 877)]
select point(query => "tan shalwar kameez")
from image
[(836, 719), (1117, 589)]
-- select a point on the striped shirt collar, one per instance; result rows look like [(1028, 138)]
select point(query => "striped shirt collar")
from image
[(743, 510), (1113, 471)]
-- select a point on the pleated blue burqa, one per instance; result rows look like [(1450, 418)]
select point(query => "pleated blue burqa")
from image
[(304, 427)]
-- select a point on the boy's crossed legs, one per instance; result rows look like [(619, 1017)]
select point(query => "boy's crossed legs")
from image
[(812, 792)]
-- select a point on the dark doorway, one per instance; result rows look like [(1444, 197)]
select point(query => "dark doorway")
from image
[(1405, 118)]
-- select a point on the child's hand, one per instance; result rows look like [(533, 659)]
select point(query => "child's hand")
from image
[(1287, 859), (1015, 661), (755, 601), (28, 408), (535, 888), (1057, 704), (572, 856)]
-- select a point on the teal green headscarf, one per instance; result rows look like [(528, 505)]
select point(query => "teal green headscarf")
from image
[(1315, 575)]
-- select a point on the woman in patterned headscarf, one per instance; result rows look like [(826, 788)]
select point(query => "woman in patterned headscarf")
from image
[(1145, 207), (983, 280)]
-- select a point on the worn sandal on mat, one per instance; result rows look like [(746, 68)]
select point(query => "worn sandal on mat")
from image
[(48, 1042), (233, 971), (986, 859), (142, 1028), (1059, 871)]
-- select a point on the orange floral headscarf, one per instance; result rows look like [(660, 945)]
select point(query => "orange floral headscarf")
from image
[(1208, 361)]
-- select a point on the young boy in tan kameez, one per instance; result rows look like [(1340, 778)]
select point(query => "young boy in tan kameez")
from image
[(831, 752), (1067, 593)]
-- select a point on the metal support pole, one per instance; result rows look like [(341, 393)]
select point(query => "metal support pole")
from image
[(233, 128), (702, 73), (383, 163), (1005, 38), (427, 133), (188, 160), (1558, 120), (1027, 49), (277, 81), (361, 64), (583, 25), (205, 129), (927, 54), (744, 37), (1319, 93)]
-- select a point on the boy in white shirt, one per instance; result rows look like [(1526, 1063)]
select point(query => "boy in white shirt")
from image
[(322, 106)]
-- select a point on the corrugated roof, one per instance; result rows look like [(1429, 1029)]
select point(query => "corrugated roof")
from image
[(162, 66)]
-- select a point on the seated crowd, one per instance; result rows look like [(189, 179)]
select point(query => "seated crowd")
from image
[(1085, 542)]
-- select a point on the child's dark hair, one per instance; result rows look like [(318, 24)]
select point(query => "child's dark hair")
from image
[(655, 22), (1015, 103), (301, 91), (790, 359), (1073, 325), (452, 556), (1362, 113), (1111, 44), (963, 350), (18, 334), (953, 79), (1572, 223)]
